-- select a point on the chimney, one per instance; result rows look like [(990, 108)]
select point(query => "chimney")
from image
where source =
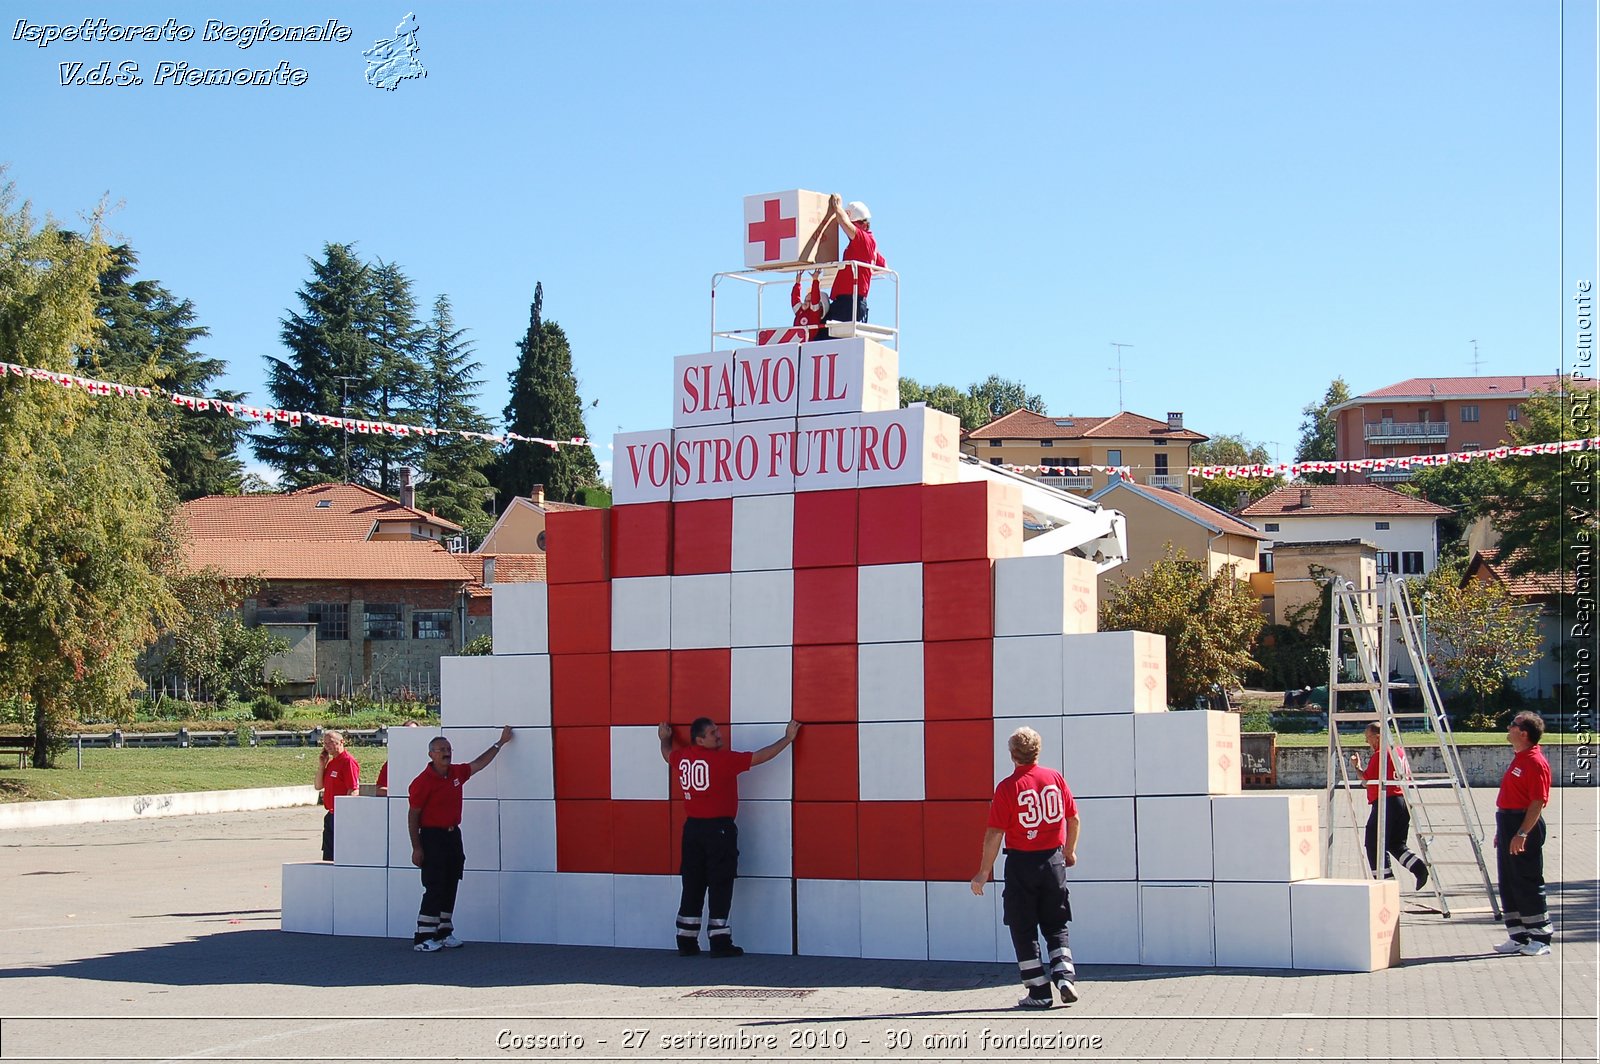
[(408, 494), (1240, 501), (536, 493), (1174, 420), (488, 570), (1305, 498)]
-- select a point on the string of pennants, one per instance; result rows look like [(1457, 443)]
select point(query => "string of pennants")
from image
[(1359, 465), (293, 418)]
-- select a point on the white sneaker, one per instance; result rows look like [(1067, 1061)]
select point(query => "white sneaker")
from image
[(1028, 1001), (1535, 949), (1069, 992), (429, 945), (450, 941), (1510, 945)]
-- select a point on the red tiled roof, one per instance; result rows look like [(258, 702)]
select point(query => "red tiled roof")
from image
[(349, 515), (1527, 585), (508, 569), (1204, 513), (1025, 424), (1467, 387), (1341, 499), (410, 561)]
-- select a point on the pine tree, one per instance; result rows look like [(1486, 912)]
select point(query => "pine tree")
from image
[(334, 366), (146, 339), (87, 544), (453, 484), (1318, 439), (397, 341), (545, 403)]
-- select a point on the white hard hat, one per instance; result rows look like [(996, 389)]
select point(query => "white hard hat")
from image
[(857, 211)]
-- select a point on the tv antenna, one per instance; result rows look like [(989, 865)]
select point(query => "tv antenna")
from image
[(1119, 348), (344, 435), (1475, 360)]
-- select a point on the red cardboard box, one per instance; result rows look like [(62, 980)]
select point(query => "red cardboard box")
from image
[(825, 840), (583, 764), (889, 525), (641, 539), (583, 836), (952, 834), (641, 687), (702, 537), (580, 618), (702, 685), (824, 684), (642, 834), (577, 546), (889, 840), (825, 764), (958, 681), (953, 762), (580, 690), (824, 529), (965, 522), (957, 600), (824, 605)]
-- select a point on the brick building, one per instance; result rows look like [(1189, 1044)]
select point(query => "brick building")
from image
[(1155, 452)]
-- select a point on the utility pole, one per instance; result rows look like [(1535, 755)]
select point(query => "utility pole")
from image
[(1119, 348), (344, 435)]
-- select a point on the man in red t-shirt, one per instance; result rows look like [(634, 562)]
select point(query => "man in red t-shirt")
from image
[(1034, 814), (706, 774), (1396, 817), (848, 300), (434, 820), (337, 775), (1519, 839), (808, 310)]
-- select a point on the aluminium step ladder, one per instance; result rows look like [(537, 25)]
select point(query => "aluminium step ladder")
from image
[(1364, 625)]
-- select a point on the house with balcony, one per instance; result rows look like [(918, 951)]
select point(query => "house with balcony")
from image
[(1156, 453), (1430, 415)]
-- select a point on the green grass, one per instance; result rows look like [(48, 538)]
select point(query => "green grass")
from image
[(109, 773)]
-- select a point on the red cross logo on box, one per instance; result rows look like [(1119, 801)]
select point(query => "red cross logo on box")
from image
[(771, 230)]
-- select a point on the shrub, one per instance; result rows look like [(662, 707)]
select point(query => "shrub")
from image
[(265, 707)]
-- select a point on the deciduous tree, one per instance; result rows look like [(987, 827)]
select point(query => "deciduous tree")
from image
[(1210, 623), (1318, 439), (1478, 636), (1224, 492)]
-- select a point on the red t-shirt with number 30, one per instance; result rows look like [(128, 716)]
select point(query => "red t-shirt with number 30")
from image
[(1032, 806), (708, 780)]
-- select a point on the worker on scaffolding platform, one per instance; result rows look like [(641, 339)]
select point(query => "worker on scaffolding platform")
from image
[(809, 308), (851, 283)]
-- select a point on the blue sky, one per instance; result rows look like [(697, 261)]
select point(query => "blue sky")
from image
[(1256, 196)]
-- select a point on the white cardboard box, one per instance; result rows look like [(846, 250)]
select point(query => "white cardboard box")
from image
[(361, 900), (848, 376), (889, 681), (702, 608), (1115, 672), (759, 457), (1054, 594), (645, 910), (1049, 729), (528, 836), (889, 603), (702, 389), (1028, 676), (783, 230), (773, 781), (526, 910), (962, 925), (763, 608), (520, 622), (637, 771), (826, 452), (1105, 922), (641, 613), (761, 684), (917, 445), (585, 909), (361, 831), (763, 915), (492, 690), (763, 532), (766, 382), (766, 846), (1252, 925), (1176, 925), (307, 898), (641, 467), (1097, 754), (1174, 837), (480, 834), (1107, 846), (408, 755), (524, 768), (1187, 752), (894, 920), (405, 899), (1345, 925), (477, 913), (829, 917), (1266, 838), (890, 765)]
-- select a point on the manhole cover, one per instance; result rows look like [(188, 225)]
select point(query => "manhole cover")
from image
[(749, 992)]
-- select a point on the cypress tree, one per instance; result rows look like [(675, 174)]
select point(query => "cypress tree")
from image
[(545, 403)]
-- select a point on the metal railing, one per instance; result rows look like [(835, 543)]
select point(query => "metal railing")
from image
[(1165, 480), (763, 332), (1405, 430)]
